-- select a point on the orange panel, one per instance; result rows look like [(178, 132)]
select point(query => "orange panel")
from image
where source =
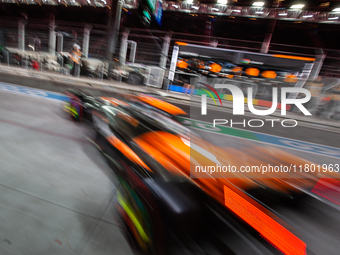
[(182, 64), (269, 74), (293, 57), (128, 119), (265, 103), (291, 79), (271, 230), (252, 71), (237, 69), (123, 148), (168, 149), (287, 107), (181, 43), (114, 101), (169, 108), (328, 188), (215, 68)]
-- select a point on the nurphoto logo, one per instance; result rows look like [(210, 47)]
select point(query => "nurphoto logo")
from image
[(239, 100)]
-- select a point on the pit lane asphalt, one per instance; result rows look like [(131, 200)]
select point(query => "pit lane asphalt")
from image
[(57, 192), (66, 189)]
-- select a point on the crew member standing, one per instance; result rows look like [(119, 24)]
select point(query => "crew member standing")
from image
[(75, 56)]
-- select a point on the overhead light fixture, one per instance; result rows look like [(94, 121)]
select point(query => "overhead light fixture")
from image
[(176, 6), (324, 4), (308, 16), (215, 9), (190, 1), (236, 10), (297, 6), (222, 1), (258, 4), (259, 12), (195, 7), (336, 10), (283, 14), (333, 18)]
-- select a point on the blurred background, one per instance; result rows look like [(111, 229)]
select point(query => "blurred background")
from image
[(134, 40), (59, 196)]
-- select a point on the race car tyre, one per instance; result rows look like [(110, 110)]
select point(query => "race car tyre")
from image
[(143, 227), (74, 107)]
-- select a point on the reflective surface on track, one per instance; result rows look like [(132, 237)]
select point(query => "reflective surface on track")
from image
[(56, 190), (56, 184)]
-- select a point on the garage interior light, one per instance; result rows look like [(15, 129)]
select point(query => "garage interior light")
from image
[(259, 4), (336, 10), (222, 1), (297, 6)]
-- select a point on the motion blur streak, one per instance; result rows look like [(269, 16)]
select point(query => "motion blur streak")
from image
[(275, 233), (71, 110), (123, 148), (329, 189), (44, 131), (132, 217), (164, 106), (114, 101), (132, 228)]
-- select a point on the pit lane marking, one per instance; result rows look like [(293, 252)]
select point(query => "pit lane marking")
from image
[(264, 138)]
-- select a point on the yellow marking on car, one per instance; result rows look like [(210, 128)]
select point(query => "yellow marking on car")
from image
[(70, 109), (133, 218)]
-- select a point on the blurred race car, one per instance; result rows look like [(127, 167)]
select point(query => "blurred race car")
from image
[(155, 159)]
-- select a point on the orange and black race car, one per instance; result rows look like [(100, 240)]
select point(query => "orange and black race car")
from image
[(156, 159)]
